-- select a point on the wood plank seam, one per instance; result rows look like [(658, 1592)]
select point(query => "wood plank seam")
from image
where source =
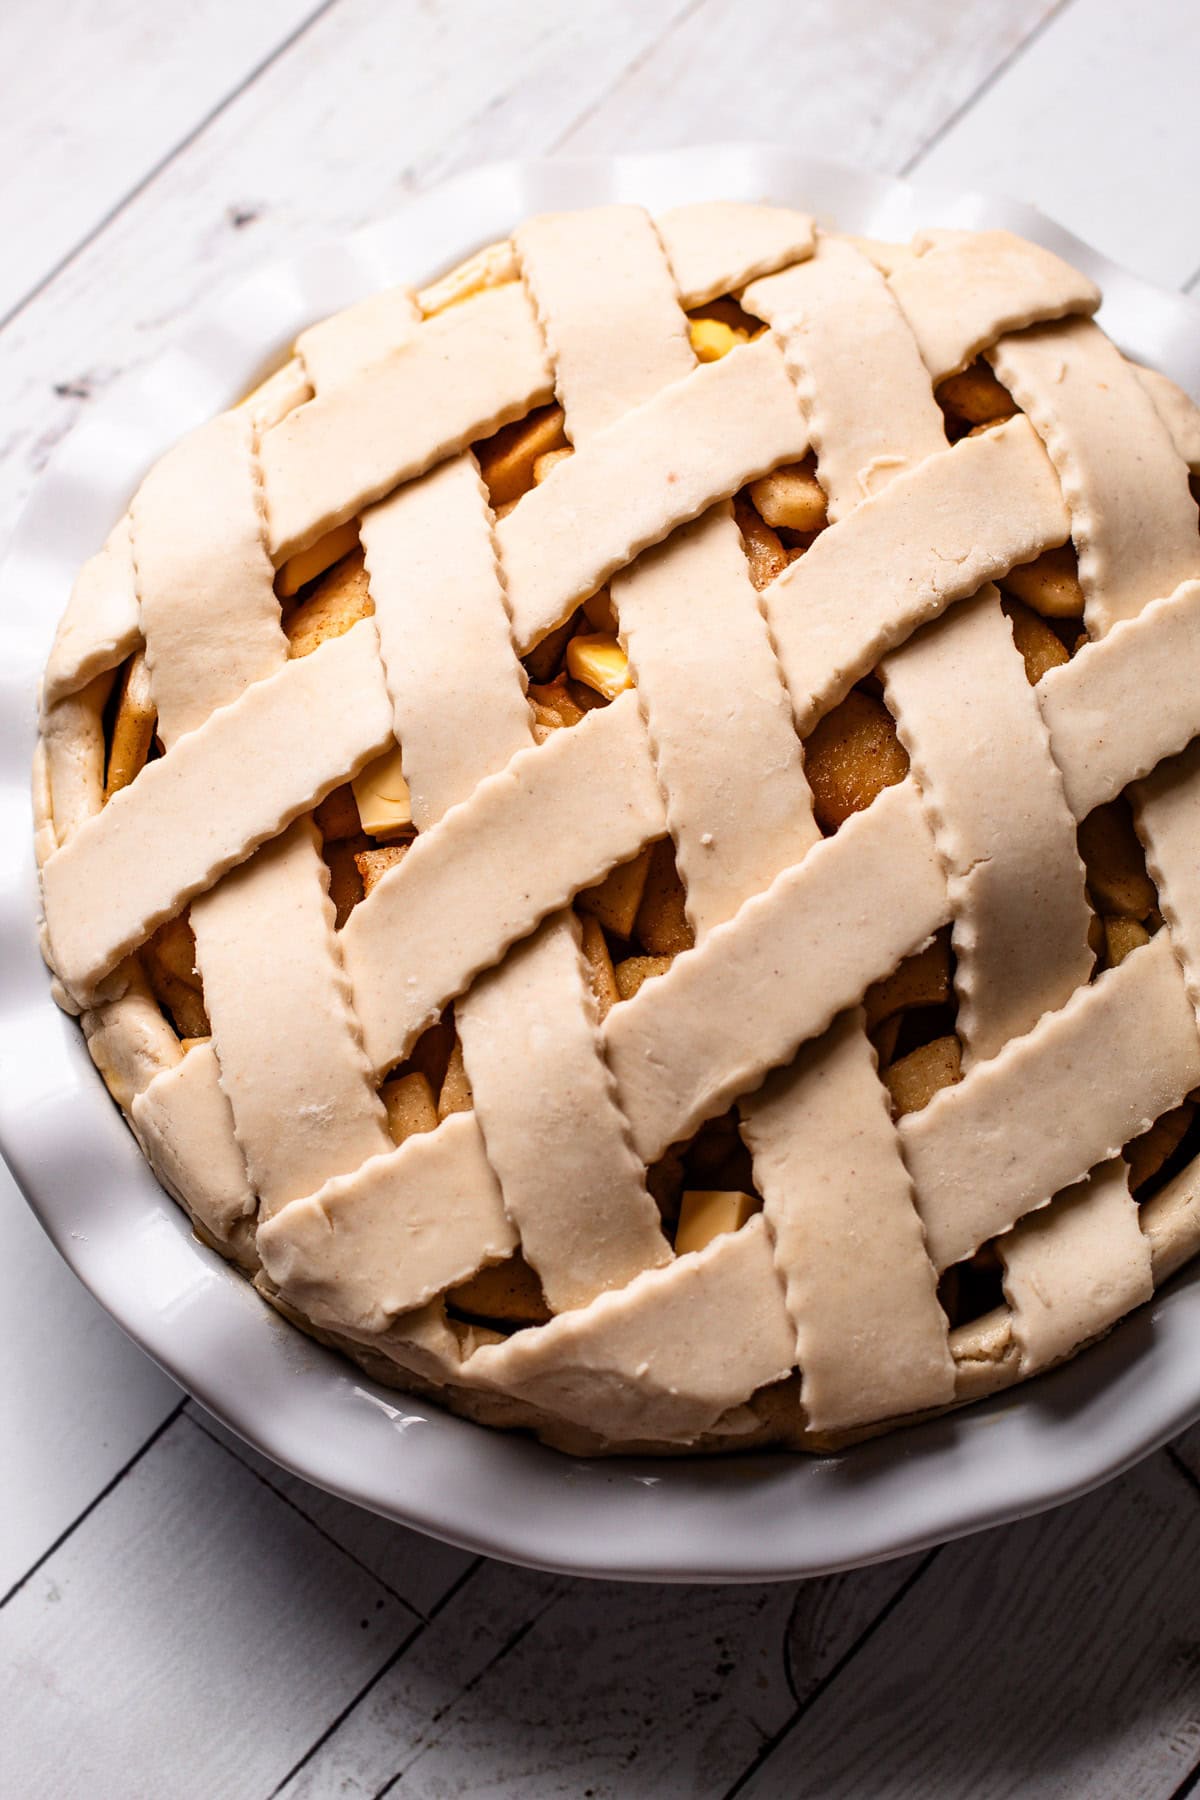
[(368, 1687), (164, 162), (687, 11), (562, 1587), (985, 86), (773, 1743), (198, 1422), (109, 1487)]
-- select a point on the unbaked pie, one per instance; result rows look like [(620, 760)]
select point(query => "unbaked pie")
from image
[(623, 829)]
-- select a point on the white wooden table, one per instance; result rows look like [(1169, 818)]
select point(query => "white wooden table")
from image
[(179, 1618)]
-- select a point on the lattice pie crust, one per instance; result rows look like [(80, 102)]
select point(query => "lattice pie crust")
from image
[(581, 884)]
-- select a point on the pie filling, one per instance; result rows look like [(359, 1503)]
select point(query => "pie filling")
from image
[(787, 1110)]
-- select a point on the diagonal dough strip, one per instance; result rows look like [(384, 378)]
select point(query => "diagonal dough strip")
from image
[(656, 1360), (448, 656), (1000, 818), (1132, 517), (99, 627), (629, 486), (586, 799), (304, 1106), (462, 374), (870, 1336), (1074, 1065), (444, 636), (961, 289), (185, 1125), (1074, 1268), (932, 537), (182, 825), (1081, 699), (858, 374), (777, 974), (717, 246), (392, 1234)]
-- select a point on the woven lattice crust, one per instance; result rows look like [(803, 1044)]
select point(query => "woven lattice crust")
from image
[(898, 429)]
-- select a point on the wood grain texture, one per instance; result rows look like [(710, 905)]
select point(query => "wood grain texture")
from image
[(106, 92), (1097, 125), (370, 102), (848, 79), (1056, 1657), (531, 1685), (78, 1399), (158, 1651), (417, 1570)]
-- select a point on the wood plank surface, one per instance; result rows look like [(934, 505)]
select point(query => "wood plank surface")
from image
[(106, 94), (1056, 1657), (1097, 125), (188, 1640), (77, 1401)]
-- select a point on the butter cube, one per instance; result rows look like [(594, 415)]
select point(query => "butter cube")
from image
[(712, 338), (382, 796), (705, 1214), (600, 663)]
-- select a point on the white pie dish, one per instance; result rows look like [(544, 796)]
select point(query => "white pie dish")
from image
[(717, 1520)]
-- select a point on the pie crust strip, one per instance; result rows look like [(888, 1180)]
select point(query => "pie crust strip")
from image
[(660, 465), (448, 655), (184, 1124), (716, 246), (1079, 700), (846, 342), (689, 615), (1075, 1065), (99, 627), (183, 822), (1000, 818), (608, 310), (1136, 535), (553, 1132), (705, 670), (341, 349), (456, 687), (864, 390), (586, 799), (1133, 518), (961, 290), (725, 1013), (656, 1360), (205, 584), (304, 1104), (1076, 1267), (933, 536), (460, 376), (871, 1338), (392, 1234)]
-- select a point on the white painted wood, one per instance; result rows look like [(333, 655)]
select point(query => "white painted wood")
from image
[(1096, 124), (103, 94), (192, 1638), (529, 1685), (77, 1399), (417, 1569), (1056, 1657), (849, 79), (370, 101)]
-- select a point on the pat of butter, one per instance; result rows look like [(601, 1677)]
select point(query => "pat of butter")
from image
[(302, 568), (705, 1214), (600, 662), (382, 796)]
